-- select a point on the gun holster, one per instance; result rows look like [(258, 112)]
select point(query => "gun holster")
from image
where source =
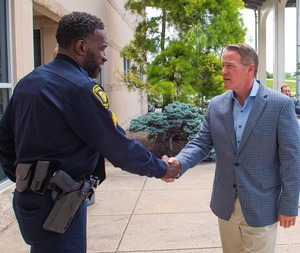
[(67, 204), (63, 212)]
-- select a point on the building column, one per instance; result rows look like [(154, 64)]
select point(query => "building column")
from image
[(261, 41), (263, 13), (279, 34)]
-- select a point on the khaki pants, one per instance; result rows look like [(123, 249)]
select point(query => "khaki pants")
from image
[(238, 237)]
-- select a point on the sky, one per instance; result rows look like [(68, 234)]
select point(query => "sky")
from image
[(290, 37)]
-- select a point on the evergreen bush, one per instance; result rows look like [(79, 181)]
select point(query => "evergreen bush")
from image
[(178, 121)]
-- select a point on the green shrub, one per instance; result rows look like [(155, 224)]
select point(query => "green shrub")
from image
[(178, 121)]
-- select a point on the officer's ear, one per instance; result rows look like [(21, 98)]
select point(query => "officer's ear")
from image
[(80, 46)]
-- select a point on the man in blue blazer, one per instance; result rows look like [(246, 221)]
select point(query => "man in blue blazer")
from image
[(255, 133)]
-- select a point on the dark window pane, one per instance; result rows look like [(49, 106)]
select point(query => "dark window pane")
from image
[(3, 65), (3, 42), (4, 97), (37, 48)]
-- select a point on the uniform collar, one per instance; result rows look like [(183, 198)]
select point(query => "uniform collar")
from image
[(69, 59)]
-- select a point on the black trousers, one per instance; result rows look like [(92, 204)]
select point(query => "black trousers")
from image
[(32, 209)]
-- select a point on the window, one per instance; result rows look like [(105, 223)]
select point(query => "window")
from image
[(126, 63), (141, 73), (3, 42), (5, 63), (101, 78), (37, 48)]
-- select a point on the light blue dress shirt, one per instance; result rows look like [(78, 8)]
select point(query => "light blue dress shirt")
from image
[(241, 113)]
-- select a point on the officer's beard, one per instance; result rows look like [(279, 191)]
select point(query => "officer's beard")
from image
[(91, 65)]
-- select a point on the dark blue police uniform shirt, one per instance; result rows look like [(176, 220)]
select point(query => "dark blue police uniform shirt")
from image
[(58, 113)]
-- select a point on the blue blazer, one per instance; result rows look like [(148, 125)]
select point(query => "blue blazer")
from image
[(264, 171)]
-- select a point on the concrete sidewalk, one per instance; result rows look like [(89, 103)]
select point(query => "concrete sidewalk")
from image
[(146, 215)]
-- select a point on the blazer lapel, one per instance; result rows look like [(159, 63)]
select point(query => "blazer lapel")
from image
[(256, 111), (228, 118)]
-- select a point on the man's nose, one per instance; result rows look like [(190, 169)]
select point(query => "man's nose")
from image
[(104, 57)]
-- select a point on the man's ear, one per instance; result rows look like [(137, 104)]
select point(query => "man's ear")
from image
[(80, 47), (251, 68)]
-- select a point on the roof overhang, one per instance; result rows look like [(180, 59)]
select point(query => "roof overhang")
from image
[(254, 4)]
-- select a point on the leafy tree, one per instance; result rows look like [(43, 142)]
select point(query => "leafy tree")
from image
[(170, 67), (188, 59), (218, 20), (269, 75)]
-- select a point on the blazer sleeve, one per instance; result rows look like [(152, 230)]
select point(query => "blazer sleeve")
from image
[(289, 150)]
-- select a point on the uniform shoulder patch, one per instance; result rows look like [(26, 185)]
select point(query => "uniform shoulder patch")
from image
[(101, 95)]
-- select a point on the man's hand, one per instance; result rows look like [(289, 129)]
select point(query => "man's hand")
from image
[(174, 168), (286, 221)]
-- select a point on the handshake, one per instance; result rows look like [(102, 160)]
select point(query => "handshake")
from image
[(174, 169)]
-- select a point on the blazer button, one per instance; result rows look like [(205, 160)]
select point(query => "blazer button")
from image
[(234, 185), (237, 164)]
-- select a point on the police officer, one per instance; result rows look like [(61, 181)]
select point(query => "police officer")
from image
[(58, 113)]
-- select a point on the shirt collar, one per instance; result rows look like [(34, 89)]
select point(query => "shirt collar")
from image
[(69, 59), (251, 95), (254, 89)]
